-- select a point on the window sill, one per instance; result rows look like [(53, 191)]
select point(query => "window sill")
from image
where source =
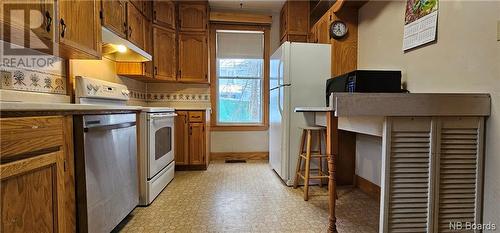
[(239, 127)]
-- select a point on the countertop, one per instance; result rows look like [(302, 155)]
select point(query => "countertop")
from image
[(8, 106), (406, 104), (314, 109), (35, 106)]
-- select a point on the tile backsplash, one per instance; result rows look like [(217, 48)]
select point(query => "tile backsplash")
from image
[(33, 81)]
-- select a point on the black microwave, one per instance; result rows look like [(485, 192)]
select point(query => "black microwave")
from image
[(382, 81)]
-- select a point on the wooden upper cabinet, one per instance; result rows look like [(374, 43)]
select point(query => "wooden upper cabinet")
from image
[(164, 54), (294, 25), (193, 16), (135, 30), (193, 57), (147, 9), (197, 143), (283, 20), (164, 13), (80, 28), (144, 6), (114, 16), (41, 23), (298, 17)]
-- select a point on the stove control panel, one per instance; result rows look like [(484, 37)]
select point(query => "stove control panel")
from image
[(97, 89)]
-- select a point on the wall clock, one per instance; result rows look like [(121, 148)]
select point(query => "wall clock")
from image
[(338, 29)]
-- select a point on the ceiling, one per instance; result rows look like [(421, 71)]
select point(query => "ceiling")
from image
[(254, 6)]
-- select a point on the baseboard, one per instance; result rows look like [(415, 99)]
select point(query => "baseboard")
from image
[(368, 187), (239, 155)]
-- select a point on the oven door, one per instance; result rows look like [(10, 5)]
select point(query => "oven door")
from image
[(161, 142)]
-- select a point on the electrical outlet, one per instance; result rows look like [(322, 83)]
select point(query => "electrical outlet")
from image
[(498, 30)]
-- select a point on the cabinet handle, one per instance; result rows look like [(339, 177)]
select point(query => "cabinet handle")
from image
[(154, 15), (63, 28), (190, 130), (125, 28), (129, 31), (156, 70), (49, 21)]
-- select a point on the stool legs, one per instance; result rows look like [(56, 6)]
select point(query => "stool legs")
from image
[(307, 154), (308, 165)]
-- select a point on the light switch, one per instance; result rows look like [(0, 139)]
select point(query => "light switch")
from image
[(498, 30)]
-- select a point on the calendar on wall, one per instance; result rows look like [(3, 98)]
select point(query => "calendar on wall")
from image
[(420, 23)]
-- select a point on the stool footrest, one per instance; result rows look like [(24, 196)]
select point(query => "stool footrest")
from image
[(322, 176)]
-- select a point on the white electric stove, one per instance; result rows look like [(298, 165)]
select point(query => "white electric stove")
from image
[(156, 160)]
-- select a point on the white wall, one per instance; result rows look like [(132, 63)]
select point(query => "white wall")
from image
[(465, 58), (368, 157)]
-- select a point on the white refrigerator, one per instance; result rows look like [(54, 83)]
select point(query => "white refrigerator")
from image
[(298, 74)]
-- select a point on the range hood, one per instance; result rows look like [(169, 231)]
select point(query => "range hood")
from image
[(121, 50)]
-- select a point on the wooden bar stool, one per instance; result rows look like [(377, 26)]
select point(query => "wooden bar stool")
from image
[(307, 154)]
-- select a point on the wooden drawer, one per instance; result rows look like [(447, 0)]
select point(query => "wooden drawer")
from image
[(195, 116), (25, 135)]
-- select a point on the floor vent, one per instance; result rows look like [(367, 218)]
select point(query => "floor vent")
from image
[(235, 161)]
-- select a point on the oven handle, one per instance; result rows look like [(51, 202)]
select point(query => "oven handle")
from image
[(162, 116), (109, 127)]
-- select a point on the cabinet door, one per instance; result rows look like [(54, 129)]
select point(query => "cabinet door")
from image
[(193, 56), (459, 170), (136, 26), (407, 179), (323, 29), (41, 23), (298, 15), (283, 20), (181, 139), (31, 194), (196, 143), (114, 16), (193, 17), (164, 13), (148, 46), (164, 54), (80, 32)]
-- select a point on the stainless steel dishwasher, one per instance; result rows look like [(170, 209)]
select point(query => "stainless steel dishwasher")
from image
[(106, 170)]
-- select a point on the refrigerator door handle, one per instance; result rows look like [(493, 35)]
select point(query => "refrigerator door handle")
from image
[(282, 85), (278, 87)]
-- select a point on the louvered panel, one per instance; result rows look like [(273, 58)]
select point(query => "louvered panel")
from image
[(458, 170), (409, 175)]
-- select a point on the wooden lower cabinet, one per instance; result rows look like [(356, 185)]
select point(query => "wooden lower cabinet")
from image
[(37, 186), (191, 140), (196, 143), (181, 137)]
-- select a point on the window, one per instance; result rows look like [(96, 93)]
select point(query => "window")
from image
[(239, 92)]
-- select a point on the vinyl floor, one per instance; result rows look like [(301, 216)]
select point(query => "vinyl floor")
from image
[(248, 197)]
